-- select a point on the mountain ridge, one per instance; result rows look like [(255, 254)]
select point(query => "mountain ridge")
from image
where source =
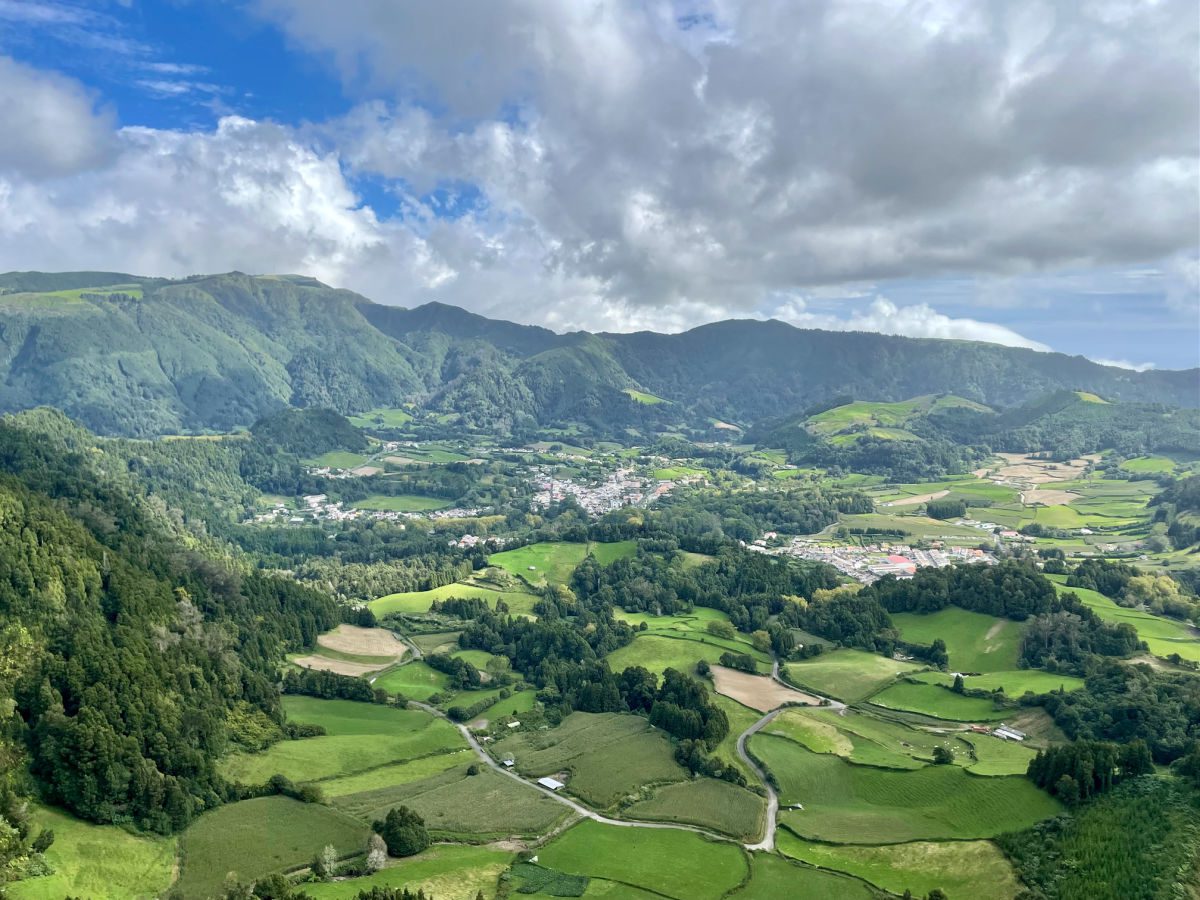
[(142, 356)]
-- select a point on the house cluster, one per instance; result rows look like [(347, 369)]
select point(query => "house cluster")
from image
[(619, 489), (318, 508), (871, 562), (992, 528)]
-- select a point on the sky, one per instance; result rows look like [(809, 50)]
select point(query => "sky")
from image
[(1026, 173)]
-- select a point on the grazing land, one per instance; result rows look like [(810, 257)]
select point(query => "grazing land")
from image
[(360, 736), (853, 804), (772, 877), (554, 561), (1014, 683), (401, 503), (1163, 636), (676, 864), (849, 675), (606, 756), (939, 702), (975, 642), (414, 680), (707, 802), (256, 837), (384, 417), (658, 653), (759, 692), (643, 397), (461, 807), (102, 862), (975, 869), (444, 871), (863, 738)]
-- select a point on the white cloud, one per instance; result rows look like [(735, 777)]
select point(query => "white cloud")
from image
[(50, 123), (1125, 364)]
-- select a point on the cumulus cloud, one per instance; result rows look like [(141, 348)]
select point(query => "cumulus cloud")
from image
[(1125, 364), (51, 124)]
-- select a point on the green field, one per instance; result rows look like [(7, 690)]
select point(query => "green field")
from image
[(772, 877), (849, 675), (852, 804), (864, 738), (1164, 636), (401, 503), (396, 773), (444, 871), (607, 756), (519, 602), (338, 459), (384, 417), (975, 642), (1013, 683), (691, 626), (740, 718), (643, 397), (658, 653), (917, 526), (458, 806), (256, 837), (676, 864), (716, 805), (414, 680), (674, 473), (101, 862), (360, 736), (939, 702), (1149, 464), (974, 869), (996, 756), (554, 561)]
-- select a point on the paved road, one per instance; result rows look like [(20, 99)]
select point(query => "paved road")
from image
[(768, 841)]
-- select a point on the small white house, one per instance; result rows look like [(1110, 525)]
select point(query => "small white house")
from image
[(514, 724), (552, 783), (509, 762)]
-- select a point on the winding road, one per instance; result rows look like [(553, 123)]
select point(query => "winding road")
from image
[(766, 844)]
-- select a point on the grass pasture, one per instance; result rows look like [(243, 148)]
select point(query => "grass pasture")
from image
[(101, 862), (360, 737), (607, 756), (643, 397), (256, 837), (444, 871), (338, 459), (772, 877), (415, 680), (1163, 636), (554, 561), (1014, 683), (676, 864), (401, 503), (976, 642), (851, 804), (658, 652), (458, 806), (863, 738), (849, 675), (518, 602), (383, 417), (938, 702), (707, 802), (975, 869)]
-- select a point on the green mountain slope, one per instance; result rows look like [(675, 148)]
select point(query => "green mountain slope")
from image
[(142, 356)]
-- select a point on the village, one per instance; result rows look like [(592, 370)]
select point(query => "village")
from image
[(870, 562), (621, 488)]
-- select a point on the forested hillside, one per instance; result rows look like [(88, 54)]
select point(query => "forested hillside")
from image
[(141, 356)]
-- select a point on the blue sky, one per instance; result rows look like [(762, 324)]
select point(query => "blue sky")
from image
[(935, 171)]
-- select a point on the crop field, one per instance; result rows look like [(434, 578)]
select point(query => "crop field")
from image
[(554, 561), (846, 674), (975, 869), (975, 642), (772, 877), (401, 503), (658, 653), (458, 806), (676, 864), (939, 702), (437, 641), (384, 417), (256, 837), (414, 680), (360, 736), (1014, 683), (396, 773), (1164, 636), (707, 802), (444, 871), (847, 803), (608, 756), (863, 738), (760, 692), (102, 862)]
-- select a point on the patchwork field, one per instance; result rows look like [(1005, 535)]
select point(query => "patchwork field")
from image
[(772, 877), (458, 806), (939, 702), (693, 626), (975, 642), (360, 736), (853, 804), (675, 864), (444, 871), (707, 802), (606, 756), (975, 869), (256, 837), (101, 862), (351, 650), (848, 675)]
